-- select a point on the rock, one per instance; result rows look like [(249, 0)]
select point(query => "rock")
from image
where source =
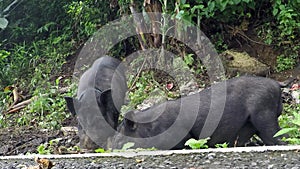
[(69, 130), (189, 88), (296, 96), (241, 63)]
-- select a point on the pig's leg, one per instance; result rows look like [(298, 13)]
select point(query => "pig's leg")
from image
[(266, 124), (244, 135), (85, 141)]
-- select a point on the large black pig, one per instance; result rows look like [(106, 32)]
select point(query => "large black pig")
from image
[(100, 95), (231, 111)]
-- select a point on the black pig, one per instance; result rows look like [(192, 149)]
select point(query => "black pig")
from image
[(231, 111), (100, 95)]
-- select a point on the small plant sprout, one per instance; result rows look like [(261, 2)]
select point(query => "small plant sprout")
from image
[(224, 145), (197, 144)]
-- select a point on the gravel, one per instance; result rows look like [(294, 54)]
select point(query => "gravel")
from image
[(259, 157)]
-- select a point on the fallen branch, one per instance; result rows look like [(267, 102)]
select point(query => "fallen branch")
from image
[(20, 105), (13, 110), (16, 95)]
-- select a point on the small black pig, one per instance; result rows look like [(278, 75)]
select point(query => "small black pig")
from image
[(100, 95), (231, 111)]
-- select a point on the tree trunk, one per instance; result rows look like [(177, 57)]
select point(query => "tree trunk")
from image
[(154, 9)]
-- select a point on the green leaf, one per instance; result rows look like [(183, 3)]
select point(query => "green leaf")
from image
[(223, 5), (185, 6), (188, 59), (187, 19), (196, 7), (282, 7), (224, 145), (3, 23), (275, 11), (99, 150), (127, 145), (211, 6), (197, 144), (284, 131), (235, 2), (180, 14)]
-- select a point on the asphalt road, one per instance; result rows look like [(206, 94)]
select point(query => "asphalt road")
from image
[(245, 157)]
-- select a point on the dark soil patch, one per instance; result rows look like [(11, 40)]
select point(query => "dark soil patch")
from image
[(26, 139)]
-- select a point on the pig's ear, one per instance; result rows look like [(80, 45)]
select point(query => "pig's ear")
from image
[(70, 104), (129, 121)]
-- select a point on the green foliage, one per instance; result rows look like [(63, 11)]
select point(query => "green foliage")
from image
[(28, 16), (290, 124), (13, 65), (43, 150), (197, 144), (218, 41), (202, 144), (285, 63), (46, 110), (4, 73), (144, 84), (53, 145), (188, 59), (87, 15), (47, 148), (46, 34), (266, 33), (190, 64), (35, 44), (3, 122), (286, 14), (283, 31), (151, 84), (225, 11), (31, 68)]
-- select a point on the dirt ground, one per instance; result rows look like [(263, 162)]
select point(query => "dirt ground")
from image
[(27, 139)]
